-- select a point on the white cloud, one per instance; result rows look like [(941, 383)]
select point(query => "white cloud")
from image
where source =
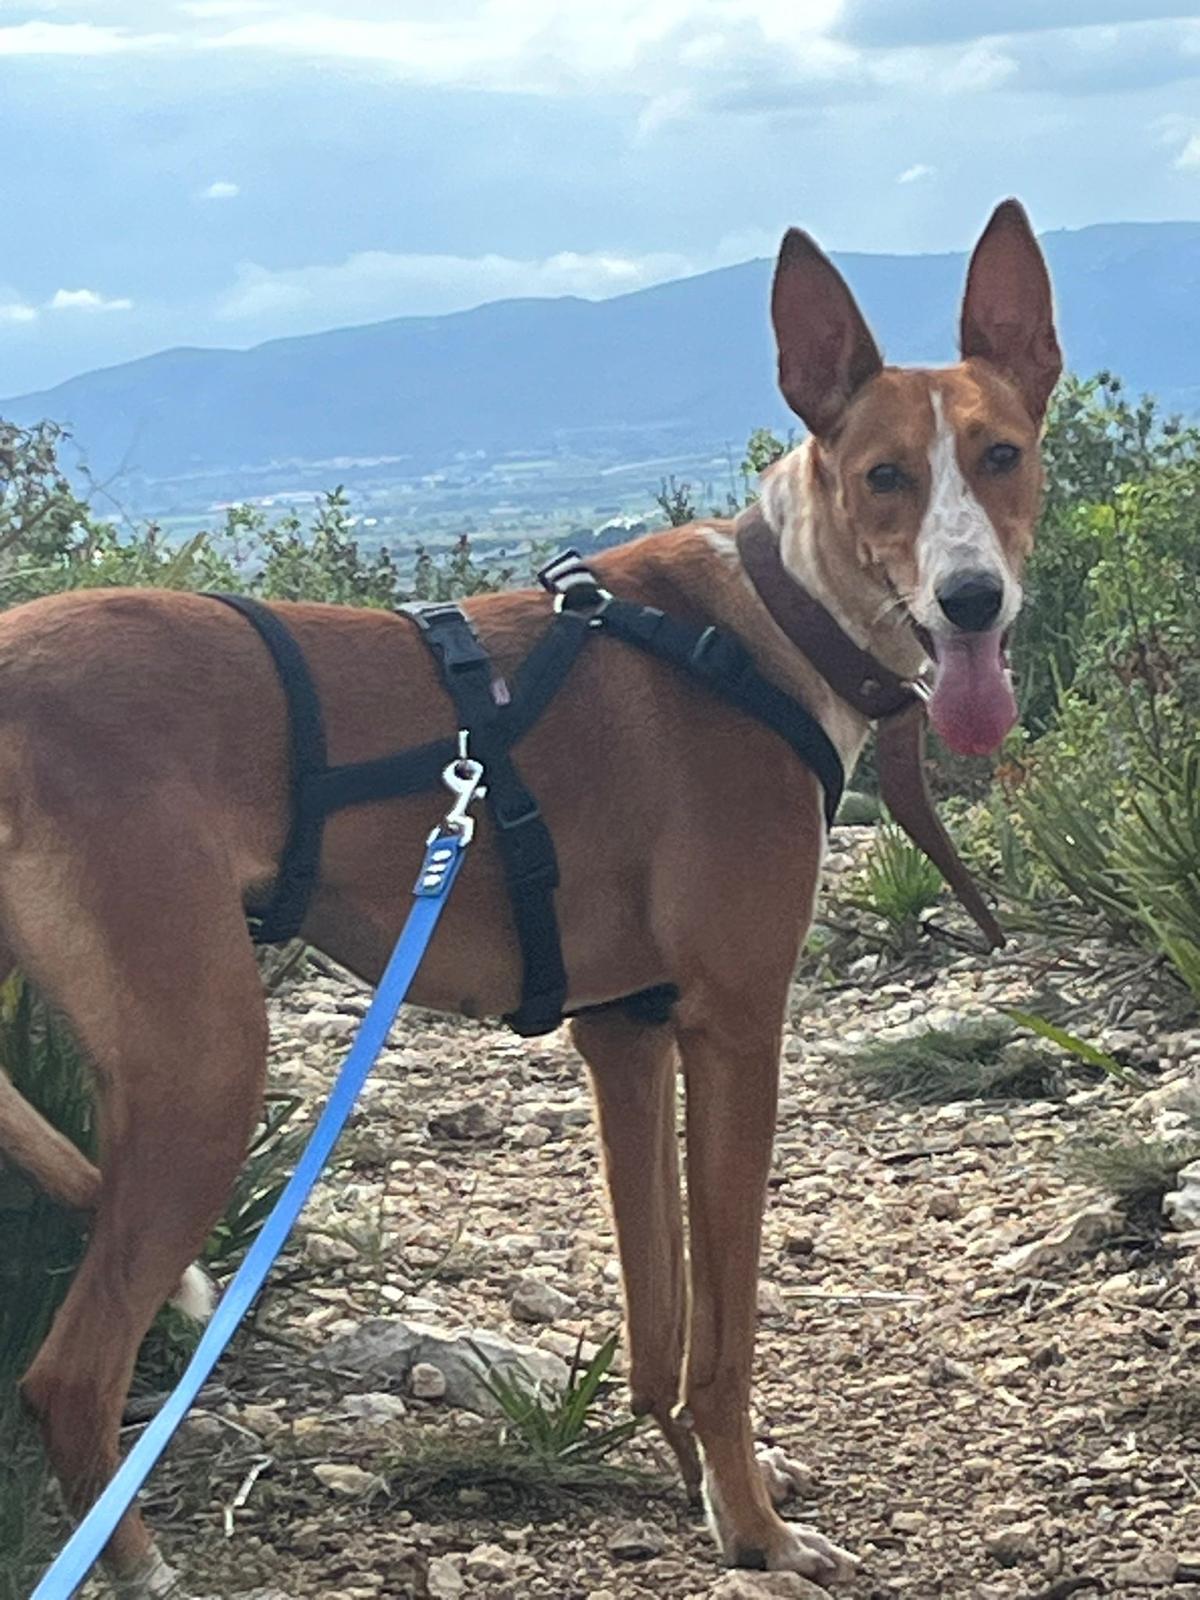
[(376, 283), (75, 39), (979, 68), (85, 300), (1181, 135), (220, 9), (546, 47), (222, 189), (14, 311), (678, 58), (915, 173)]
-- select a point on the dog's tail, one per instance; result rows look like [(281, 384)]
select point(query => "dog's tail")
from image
[(65, 1175)]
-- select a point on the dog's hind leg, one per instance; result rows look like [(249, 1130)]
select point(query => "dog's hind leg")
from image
[(146, 951), (633, 1070), (730, 1051), (43, 1154)]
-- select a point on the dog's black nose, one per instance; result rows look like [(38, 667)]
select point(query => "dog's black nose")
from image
[(971, 600)]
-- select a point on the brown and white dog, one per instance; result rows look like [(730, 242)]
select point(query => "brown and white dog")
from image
[(144, 794)]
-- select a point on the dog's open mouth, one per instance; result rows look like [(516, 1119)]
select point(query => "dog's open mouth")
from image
[(973, 705)]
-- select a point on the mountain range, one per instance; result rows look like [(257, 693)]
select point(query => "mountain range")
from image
[(687, 364)]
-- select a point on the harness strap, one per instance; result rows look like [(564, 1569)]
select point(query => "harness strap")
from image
[(723, 664), (522, 838), (283, 914)]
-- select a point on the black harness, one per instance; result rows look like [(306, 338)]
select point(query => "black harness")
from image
[(492, 717)]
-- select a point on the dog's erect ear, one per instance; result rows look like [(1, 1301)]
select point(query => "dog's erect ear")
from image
[(1008, 308), (826, 351)]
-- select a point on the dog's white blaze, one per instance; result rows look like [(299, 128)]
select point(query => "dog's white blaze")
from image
[(956, 533)]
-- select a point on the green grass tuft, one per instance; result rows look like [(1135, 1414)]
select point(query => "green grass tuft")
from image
[(558, 1429), (976, 1061), (1137, 1172), (899, 881), (550, 1447)]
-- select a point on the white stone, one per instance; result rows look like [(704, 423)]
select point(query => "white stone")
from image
[(1154, 1570), (1072, 1238), (636, 1541), (387, 1348), (342, 1477), (427, 1381), (375, 1408), (534, 1300), (767, 1586), (490, 1563), (1182, 1206), (443, 1581)]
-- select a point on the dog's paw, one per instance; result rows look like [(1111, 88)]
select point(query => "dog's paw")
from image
[(809, 1553), (196, 1294), (785, 1477)]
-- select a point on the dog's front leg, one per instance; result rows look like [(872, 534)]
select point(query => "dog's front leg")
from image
[(730, 1056), (633, 1067)]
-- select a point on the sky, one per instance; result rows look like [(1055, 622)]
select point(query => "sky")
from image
[(220, 172)]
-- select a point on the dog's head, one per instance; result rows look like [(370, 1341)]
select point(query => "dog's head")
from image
[(932, 478)]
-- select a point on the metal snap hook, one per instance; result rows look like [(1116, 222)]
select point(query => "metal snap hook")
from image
[(464, 779)]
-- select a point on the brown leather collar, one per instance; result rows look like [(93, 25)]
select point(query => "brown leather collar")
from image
[(875, 692), (853, 674)]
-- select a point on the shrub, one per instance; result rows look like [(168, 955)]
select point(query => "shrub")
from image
[(1097, 444), (1158, 853), (899, 881), (857, 810)]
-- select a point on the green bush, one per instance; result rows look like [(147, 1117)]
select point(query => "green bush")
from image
[(1098, 445), (899, 881), (51, 540), (1158, 852)]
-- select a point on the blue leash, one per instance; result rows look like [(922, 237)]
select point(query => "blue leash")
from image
[(444, 855)]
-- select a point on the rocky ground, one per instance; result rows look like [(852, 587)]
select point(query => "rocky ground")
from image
[(989, 1374)]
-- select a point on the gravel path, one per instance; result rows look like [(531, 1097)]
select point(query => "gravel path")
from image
[(977, 1419)]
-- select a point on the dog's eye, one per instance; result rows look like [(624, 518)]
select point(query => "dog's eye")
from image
[(885, 478), (1002, 457)]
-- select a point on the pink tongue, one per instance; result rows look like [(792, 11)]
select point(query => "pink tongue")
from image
[(972, 706)]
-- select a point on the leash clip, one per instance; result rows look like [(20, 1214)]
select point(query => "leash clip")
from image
[(464, 779)]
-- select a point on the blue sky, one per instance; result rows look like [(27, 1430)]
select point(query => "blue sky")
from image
[(226, 171)]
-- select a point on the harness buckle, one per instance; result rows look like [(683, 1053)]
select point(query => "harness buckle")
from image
[(721, 657), (530, 814), (448, 630), (572, 583)]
